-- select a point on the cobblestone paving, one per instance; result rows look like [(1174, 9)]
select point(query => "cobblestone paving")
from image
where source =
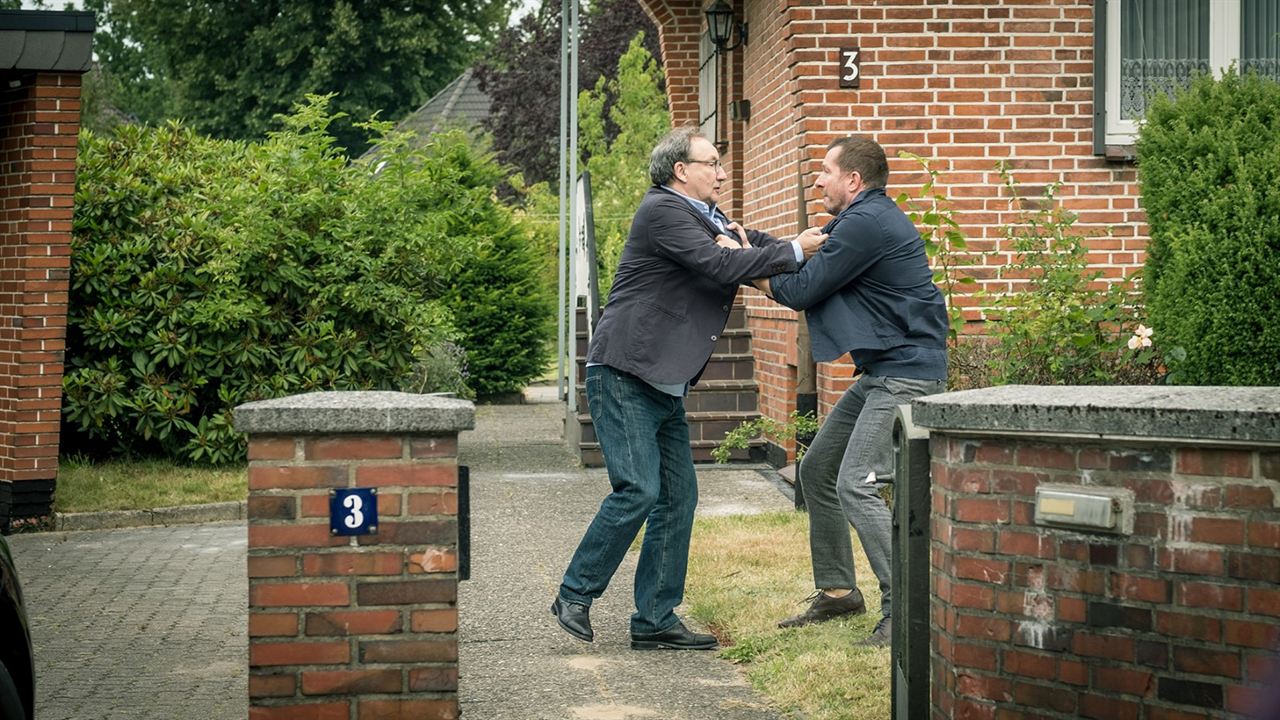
[(138, 624)]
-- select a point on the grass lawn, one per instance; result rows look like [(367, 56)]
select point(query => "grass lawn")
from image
[(144, 484), (748, 572)]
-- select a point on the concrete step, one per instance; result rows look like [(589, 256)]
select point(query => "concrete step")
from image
[(724, 398), (707, 396), (753, 453), (729, 366), (708, 426)]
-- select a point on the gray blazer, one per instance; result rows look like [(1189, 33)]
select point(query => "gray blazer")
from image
[(673, 290)]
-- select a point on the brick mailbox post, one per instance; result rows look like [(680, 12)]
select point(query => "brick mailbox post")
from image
[(1105, 552), (357, 626)]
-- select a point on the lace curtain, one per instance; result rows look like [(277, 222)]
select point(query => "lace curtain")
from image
[(1163, 45), (1260, 37)]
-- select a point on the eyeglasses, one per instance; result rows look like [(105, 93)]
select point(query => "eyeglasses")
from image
[(713, 163)]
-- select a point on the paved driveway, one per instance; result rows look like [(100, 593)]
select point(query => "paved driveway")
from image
[(138, 623)]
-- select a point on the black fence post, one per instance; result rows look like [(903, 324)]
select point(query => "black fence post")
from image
[(464, 522), (909, 657), (806, 404)]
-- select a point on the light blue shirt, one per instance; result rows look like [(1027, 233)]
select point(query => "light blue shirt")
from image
[(710, 212), (721, 221)]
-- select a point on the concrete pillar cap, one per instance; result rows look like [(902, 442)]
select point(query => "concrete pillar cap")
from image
[(1235, 414), (356, 412)]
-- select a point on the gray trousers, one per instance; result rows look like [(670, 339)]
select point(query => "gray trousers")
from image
[(855, 440)]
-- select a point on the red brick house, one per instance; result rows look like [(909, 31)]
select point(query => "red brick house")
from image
[(1052, 87), (42, 56)]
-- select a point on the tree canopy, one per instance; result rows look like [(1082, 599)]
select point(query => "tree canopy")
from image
[(522, 76), (619, 166), (228, 68)]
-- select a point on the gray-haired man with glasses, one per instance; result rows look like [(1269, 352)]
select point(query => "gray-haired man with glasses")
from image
[(676, 281)]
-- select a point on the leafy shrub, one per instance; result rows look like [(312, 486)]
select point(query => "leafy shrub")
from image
[(970, 362), (932, 213), (502, 306), (796, 426), (440, 368), (210, 273), (1061, 328), (1209, 165)]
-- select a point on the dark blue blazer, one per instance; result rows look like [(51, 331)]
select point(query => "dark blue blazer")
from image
[(673, 290), (870, 287)]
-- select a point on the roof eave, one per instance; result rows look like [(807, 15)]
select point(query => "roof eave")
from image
[(46, 41)]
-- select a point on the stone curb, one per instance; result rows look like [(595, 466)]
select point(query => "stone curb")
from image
[(180, 515)]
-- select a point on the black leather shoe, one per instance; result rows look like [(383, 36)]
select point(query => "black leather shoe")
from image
[(574, 618), (823, 607), (882, 635), (676, 637)]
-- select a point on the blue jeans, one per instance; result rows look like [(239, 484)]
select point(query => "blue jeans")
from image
[(645, 440), (855, 440)]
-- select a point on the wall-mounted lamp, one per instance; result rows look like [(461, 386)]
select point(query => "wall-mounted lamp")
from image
[(720, 25)]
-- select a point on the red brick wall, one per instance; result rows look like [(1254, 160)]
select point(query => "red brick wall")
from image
[(39, 123), (965, 83), (771, 162), (1180, 619), (679, 25), (338, 627)]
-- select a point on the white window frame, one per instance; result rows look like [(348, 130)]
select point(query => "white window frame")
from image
[(708, 88), (1224, 48)]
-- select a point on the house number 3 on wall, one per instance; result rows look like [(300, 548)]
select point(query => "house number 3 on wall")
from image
[(353, 511), (850, 67), (354, 518)]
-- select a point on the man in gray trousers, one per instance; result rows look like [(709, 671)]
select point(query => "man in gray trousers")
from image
[(869, 292)]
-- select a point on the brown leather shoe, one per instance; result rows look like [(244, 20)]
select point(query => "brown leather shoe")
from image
[(823, 607)]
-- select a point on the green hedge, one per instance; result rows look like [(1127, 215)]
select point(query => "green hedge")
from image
[(502, 304), (208, 273), (1209, 166)]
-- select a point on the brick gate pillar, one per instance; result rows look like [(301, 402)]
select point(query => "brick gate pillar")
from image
[(1104, 552), (363, 626), (42, 56)]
